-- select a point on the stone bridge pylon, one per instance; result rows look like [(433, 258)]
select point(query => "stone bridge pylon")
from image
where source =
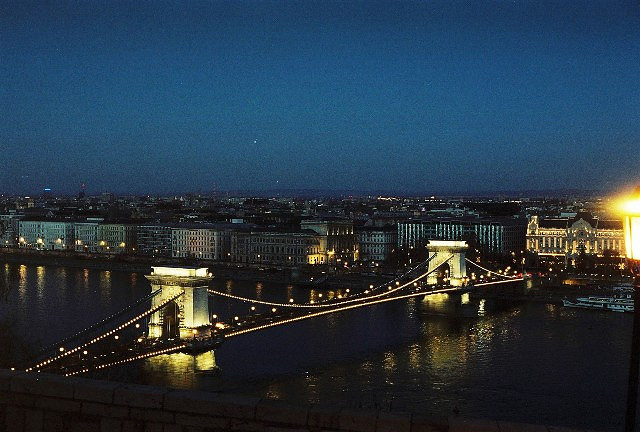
[(189, 311), (443, 252)]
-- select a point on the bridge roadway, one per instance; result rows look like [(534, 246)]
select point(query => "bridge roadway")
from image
[(124, 349), (212, 338)]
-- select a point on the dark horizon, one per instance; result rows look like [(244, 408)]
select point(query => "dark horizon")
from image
[(345, 193)]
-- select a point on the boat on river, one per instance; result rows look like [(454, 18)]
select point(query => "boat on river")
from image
[(621, 301)]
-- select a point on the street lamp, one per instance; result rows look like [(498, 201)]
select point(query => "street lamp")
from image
[(631, 221)]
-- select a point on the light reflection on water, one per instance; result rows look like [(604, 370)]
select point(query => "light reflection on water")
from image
[(522, 362)]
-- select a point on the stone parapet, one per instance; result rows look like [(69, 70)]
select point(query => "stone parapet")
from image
[(36, 402)]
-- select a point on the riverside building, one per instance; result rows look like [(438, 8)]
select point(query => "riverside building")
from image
[(566, 238), (498, 236)]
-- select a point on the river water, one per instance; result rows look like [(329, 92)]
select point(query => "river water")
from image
[(525, 362)]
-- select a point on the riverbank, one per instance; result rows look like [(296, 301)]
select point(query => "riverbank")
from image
[(142, 264)]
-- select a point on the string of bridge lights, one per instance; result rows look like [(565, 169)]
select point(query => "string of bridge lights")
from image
[(100, 323), (326, 303), (354, 306), (490, 271), (371, 300), (310, 315), (130, 359), (326, 312), (499, 282), (104, 335), (364, 302)]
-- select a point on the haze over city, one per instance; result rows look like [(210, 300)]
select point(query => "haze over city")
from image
[(410, 97)]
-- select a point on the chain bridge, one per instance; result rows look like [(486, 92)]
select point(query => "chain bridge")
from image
[(179, 319)]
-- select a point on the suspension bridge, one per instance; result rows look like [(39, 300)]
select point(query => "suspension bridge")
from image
[(179, 319)]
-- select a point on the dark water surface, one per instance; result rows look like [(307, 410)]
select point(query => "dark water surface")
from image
[(526, 362)]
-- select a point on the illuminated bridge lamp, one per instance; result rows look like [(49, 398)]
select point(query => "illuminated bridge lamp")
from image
[(630, 210)]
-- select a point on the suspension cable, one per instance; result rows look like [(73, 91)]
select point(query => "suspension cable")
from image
[(324, 303), (326, 312), (490, 271), (368, 301), (101, 323), (130, 359), (104, 335)]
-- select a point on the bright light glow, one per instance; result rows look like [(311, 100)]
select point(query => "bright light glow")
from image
[(630, 209), (632, 236)]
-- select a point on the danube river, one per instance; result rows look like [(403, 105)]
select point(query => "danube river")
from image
[(526, 362)]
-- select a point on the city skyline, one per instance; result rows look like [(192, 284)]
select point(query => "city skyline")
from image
[(408, 98)]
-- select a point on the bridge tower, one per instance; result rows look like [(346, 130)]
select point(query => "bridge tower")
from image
[(188, 312), (440, 252)]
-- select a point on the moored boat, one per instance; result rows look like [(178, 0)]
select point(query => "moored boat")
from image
[(616, 304)]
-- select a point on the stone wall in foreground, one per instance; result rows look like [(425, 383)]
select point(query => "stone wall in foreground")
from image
[(33, 402)]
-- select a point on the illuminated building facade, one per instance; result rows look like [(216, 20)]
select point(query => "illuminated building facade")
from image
[(117, 238), (240, 247), (9, 229), (287, 248), (154, 240), (377, 244), (498, 236), (46, 235), (339, 237), (195, 242), (569, 237), (86, 234)]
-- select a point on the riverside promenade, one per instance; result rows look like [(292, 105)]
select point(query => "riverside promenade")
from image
[(37, 402)]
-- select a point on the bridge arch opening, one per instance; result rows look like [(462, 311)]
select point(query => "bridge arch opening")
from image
[(170, 317), (442, 274)]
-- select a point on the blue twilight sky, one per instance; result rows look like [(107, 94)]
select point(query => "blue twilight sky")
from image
[(405, 96)]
